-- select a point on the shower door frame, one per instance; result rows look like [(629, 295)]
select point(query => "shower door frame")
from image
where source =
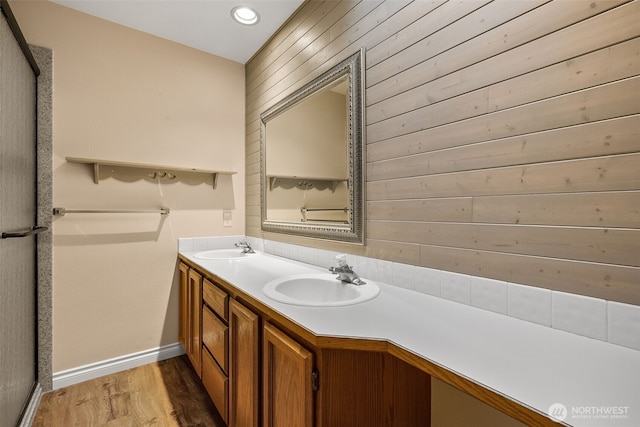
[(42, 59)]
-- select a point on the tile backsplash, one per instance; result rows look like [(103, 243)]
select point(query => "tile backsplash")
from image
[(610, 321), (579, 314), (529, 303)]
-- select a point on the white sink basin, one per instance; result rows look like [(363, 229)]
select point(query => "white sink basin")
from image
[(319, 290), (222, 254)]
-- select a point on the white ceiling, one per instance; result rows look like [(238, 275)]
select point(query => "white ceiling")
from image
[(202, 24)]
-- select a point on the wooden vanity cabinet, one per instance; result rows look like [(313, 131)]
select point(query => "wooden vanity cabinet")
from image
[(287, 373), (244, 366), (261, 369), (215, 345), (194, 320), (370, 388), (184, 305), (204, 333)]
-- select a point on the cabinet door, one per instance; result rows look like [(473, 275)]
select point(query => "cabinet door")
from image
[(244, 374), (194, 350), (287, 386), (184, 306)]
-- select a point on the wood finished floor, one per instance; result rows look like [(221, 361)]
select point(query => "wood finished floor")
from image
[(166, 393)]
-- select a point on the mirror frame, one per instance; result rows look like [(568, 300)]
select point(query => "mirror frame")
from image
[(353, 232)]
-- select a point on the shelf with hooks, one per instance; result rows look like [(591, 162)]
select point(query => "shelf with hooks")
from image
[(305, 183), (152, 171)]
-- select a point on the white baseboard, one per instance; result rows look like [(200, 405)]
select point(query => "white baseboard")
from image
[(117, 364)]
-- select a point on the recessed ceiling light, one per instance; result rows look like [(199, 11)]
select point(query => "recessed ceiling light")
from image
[(245, 15)]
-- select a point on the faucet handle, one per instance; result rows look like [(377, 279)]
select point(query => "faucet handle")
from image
[(341, 260)]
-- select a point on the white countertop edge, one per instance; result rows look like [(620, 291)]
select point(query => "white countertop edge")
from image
[(531, 364)]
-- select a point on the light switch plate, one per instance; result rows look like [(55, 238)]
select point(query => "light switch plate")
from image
[(226, 218)]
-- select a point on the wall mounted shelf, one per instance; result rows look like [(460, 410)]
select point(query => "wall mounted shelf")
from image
[(304, 182), (152, 171)]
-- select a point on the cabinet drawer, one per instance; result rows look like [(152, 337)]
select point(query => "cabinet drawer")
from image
[(215, 335), (216, 298), (216, 383)]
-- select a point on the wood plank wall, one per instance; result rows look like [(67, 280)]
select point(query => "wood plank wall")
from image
[(503, 137)]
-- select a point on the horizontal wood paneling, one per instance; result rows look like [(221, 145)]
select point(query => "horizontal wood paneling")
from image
[(608, 173), (282, 40), (446, 27), (503, 137), (291, 58), (542, 36), (614, 136), (604, 65), (589, 105), (612, 246), (405, 253), (617, 209), (313, 60), (592, 279), (459, 209), (402, 29)]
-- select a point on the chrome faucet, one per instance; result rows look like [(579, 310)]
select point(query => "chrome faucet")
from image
[(345, 272), (246, 248)]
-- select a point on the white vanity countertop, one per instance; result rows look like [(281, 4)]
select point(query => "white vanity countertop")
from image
[(529, 363)]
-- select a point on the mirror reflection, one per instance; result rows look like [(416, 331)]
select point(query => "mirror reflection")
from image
[(312, 158), (307, 159)]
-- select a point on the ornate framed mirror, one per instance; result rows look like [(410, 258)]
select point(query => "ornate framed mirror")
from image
[(312, 157)]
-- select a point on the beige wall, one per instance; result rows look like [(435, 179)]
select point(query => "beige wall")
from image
[(123, 95), (502, 137)]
